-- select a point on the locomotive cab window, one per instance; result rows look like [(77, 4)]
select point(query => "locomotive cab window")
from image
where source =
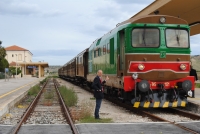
[(145, 37), (177, 38)]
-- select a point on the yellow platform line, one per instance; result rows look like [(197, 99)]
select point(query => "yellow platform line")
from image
[(16, 89)]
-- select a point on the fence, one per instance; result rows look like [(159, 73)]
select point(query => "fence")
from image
[(2, 75)]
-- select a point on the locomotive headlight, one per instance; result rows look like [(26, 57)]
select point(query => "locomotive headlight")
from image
[(162, 20), (141, 67), (182, 66)]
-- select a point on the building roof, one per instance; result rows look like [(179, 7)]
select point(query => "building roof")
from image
[(12, 63), (15, 48)]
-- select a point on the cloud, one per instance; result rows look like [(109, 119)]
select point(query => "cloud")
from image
[(125, 2), (58, 52), (20, 8)]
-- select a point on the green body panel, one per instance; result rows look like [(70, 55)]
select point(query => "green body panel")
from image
[(108, 62)]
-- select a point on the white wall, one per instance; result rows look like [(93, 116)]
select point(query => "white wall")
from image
[(21, 56)]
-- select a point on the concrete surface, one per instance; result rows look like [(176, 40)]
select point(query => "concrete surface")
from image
[(130, 128), (191, 125), (13, 91), (45, 129), (6, 129), (197, 96)]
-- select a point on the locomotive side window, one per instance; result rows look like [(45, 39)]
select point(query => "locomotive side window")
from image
[(143, 37), (177, 38)]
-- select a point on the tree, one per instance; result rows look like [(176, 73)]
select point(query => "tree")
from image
[(13, 70), (2, 53), (3, 64)]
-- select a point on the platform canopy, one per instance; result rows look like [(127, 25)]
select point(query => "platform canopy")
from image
[(186, 9)]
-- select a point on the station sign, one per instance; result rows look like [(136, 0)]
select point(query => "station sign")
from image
[(31, 66), (6, 70)]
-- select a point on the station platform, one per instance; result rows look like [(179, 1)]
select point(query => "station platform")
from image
[(101, 128), (14, 90), (197, 97)]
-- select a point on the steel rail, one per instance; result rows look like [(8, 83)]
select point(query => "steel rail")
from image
[(173, 123), (29, 110), (66, 110), (186, 114)]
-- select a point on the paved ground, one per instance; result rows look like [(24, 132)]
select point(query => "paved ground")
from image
[(197, 96), (101, 128), (45, 129), (130, 128), (13, 90), (192, 125), (5, 129)]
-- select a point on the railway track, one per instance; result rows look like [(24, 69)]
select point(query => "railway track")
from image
[(57, 105), (154, 117)]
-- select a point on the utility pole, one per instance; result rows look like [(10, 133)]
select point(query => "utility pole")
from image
[(16, 66)]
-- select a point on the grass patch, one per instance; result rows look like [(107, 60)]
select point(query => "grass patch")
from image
[(43, 81), (34, 90), (86, 109), (197, 85), (91, 119), (55, 76), (48, 95), (69, 96), (92, 98)]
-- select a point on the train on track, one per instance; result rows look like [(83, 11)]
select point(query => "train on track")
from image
[(147, 60)]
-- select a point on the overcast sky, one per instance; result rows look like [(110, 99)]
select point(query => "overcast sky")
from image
[(57, 30)]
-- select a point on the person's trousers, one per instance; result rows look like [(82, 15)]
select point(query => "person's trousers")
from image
[(98, 105)]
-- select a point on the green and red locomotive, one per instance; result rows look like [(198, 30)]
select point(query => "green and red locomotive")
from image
[(147, 60)]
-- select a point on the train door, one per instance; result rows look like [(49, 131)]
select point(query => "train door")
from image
[(85, 64), (77, 65), (121, 53)]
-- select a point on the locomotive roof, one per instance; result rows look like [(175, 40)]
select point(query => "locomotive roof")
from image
[(155, 19)]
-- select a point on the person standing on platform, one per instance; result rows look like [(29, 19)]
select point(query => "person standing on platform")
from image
[(193, 72), (97, 85)]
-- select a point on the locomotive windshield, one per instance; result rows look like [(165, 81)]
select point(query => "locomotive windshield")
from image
[(143, 37), (177, 38)]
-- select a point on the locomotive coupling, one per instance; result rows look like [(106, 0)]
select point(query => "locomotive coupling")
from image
[(135, 76)]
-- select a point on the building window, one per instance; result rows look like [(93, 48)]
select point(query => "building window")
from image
[(19, 57), (12, 55)]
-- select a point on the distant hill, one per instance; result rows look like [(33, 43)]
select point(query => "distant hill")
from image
[(53, 68), (196, 62)]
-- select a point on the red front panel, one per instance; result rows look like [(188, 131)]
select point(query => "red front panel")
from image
[(129, 83), (158, 66)]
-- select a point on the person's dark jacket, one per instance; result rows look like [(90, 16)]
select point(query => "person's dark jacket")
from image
[(97, 86), (193, 73)]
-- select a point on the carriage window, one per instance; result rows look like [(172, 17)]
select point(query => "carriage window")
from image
[(99, 52), (143, 37), (108, 48), (104, 49), (177, 38)]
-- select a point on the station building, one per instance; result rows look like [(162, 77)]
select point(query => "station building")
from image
[(22, 58)]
